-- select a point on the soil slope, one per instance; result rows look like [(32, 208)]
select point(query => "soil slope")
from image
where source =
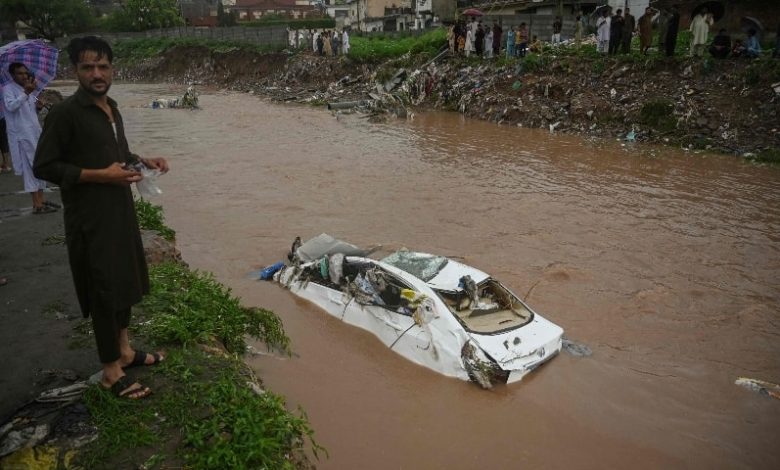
[(728, 105)]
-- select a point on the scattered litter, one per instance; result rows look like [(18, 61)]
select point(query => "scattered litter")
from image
[(576, 349), (188, 100), (760, 386), (267, 273)]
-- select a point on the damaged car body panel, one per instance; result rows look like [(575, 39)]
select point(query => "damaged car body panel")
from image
[(432, 310)]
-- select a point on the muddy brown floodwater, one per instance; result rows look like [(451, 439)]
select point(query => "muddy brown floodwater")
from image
[(665, 263)]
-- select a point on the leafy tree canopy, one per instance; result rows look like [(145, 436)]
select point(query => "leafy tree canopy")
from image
[(49, 18), (140, 15)]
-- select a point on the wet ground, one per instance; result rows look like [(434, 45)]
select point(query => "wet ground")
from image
[(663, 262)]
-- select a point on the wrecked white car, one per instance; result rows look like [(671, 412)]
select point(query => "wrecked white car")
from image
[(434, 311)]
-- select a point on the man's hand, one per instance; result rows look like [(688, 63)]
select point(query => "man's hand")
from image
[(113, 174), (30, 86), (156, 164)]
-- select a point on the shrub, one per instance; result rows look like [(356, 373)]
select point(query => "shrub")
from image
[(150, 217), (187, 307), (658, 114)]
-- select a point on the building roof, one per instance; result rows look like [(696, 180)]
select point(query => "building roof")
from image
[(267, 4)]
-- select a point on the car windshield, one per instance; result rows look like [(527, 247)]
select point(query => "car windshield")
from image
[(420, 265)]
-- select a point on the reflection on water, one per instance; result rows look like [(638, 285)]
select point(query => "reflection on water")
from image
[(664, 262)]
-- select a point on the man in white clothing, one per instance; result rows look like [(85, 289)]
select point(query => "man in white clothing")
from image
[(603, 31), (345, 42), (700, 29), (23, 131)]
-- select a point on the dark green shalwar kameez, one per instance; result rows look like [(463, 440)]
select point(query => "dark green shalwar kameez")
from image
[(101, 229)]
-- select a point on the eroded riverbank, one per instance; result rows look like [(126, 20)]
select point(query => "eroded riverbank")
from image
[(719, 105)]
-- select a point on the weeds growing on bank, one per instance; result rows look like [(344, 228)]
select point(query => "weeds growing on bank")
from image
[(201, 416), (150, 217), (186, 307), (373, 48), (203, 413)]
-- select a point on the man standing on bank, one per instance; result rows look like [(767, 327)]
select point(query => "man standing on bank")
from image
[(23, 129), (83, 149)]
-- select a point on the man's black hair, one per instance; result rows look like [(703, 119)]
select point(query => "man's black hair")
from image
[(78, 46), (15, 66)]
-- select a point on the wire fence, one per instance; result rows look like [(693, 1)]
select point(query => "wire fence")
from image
[(268, 36)]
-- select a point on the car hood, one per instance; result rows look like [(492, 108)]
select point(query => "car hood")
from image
[(524, 345)]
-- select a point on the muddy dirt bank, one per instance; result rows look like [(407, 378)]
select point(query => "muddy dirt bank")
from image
[(726, 105)]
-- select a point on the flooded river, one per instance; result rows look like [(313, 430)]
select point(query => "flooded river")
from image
[(665, 263)]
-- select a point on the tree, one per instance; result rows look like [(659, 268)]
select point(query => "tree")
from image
[(48, 18), (140, 15)]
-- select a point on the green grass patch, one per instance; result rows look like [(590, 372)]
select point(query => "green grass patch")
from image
[(766, 156), (122, 424), (186, 307), (150, 217), (373, 48), (533, 62), (203, 415)]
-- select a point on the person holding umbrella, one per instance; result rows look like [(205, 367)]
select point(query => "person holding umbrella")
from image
[(23, 130)]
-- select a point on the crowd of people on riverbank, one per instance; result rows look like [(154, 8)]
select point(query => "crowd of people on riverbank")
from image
[(614, 31), (324, 43)]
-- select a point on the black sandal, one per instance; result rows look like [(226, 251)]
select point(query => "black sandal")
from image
[(124, 388), (140, 359)]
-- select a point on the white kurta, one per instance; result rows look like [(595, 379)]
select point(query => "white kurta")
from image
[(602, 27), (23, 132), (345, 43), (469, 42), (700, 27)]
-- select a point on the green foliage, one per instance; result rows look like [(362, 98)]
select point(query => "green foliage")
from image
[(140, 15), (122, 424), (190, 307), (374, 48), (533, 62), (766, 156), (150, 217), (658, 114), (49, 19), (292, 23), (598, 66), (204, 417), (243, 430), (138, 49)]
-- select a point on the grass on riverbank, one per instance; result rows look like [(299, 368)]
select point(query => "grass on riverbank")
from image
[(207, 410), (375, 48)]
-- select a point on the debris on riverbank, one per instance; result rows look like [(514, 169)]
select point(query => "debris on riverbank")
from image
[(695, 103)]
